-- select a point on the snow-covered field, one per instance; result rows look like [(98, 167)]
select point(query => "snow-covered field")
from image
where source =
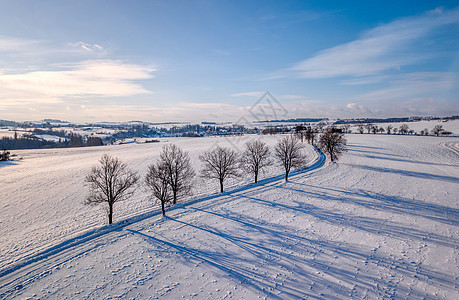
[(381, 223)]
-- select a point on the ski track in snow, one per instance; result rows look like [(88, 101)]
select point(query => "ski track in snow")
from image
[(381, 223)]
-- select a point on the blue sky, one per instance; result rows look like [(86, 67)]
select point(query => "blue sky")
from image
[(159, 61)]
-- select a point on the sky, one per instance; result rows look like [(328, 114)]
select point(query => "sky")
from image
[(193, 61)]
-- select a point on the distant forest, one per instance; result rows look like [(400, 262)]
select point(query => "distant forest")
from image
[(30, 141)]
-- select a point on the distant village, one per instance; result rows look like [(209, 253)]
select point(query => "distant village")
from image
[(50, 133)]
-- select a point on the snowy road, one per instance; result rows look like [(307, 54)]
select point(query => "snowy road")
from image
[(382, 223)]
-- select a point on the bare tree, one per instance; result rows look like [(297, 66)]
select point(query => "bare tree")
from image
[(374, 129), (300, 132), (437, 130), (179, 171), (360, 129), (220, 163), (346, 128), (5, 155), (111, 181), (403, 129), (311, 135), (333, 142), (288, 153), (388, 129), (369, 126), (255, 157), (157, 181)]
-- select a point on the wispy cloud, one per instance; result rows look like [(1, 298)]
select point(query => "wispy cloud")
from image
[(99, 78), (412, 85), (383, 48)]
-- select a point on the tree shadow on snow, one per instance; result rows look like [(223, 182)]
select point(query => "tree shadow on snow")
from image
[(263, 249), (7, 163), (397, 159), (410, 173)]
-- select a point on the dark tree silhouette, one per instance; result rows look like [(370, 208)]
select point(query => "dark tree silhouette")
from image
[(311, 135), (220, 163), (388, 129), (157, 181), (300, 132), (437, 130), (369, 126), (255, 157), (179, 171), (5, 155), (374, 129), (111, 181), (425, 131), (332, 142), (94, 141), (360, 129), (288, 153), (403, 129), (346, 128)]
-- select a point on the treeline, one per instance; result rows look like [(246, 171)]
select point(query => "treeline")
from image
[(404, 129), (29, 141), (171, 176)]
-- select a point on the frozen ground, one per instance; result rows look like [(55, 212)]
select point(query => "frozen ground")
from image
[(382, 223)]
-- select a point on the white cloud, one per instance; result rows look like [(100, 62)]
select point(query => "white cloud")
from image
[(100, 78), (380, 49)]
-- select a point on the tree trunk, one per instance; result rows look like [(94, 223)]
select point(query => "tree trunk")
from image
[(162, 208), (110, 213), (221, 186), (174, 201), (256, 177), (286, 175)]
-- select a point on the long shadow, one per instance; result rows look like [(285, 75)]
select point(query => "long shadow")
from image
[(237, 266), (394, 158), (369, 152), (367, 224), (367, 147), (7, 163), (422, 175), (229, 264), (382, 202), (275, 236), (350, 250)]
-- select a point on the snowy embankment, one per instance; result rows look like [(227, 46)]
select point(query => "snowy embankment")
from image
[(383, 222)]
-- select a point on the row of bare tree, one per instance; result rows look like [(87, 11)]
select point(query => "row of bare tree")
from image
[(403, 129), (172, 175)]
